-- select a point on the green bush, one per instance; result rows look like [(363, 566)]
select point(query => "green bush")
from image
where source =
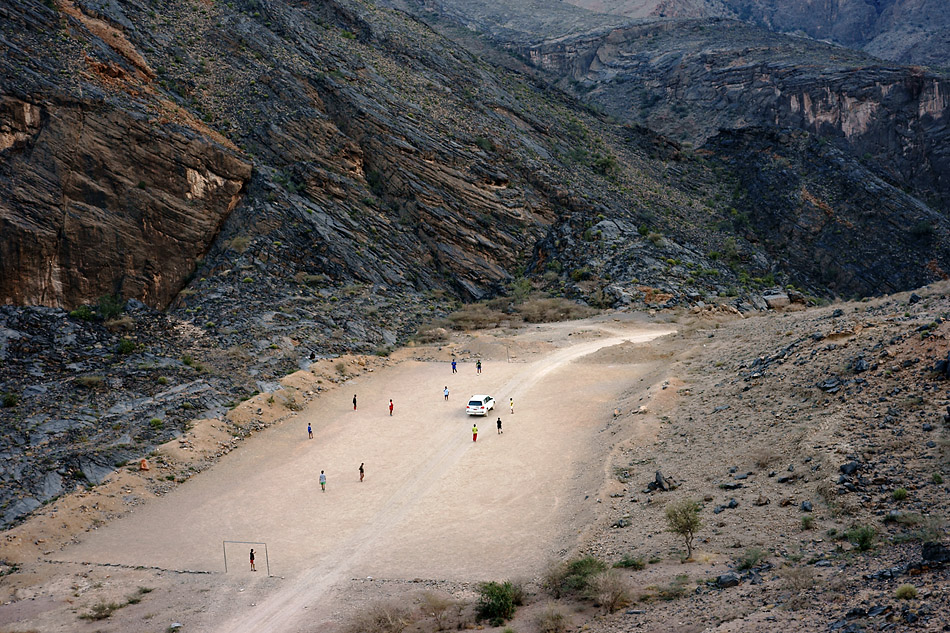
[(682, 518), (575, 577), (862, 537), (937, 478), (484, 144), (808, 522), (497, 601), (110, 306), (906, 592), (126, 346), (10, 399), (752, 557), (83, 313), (631, 562), (899, 494)]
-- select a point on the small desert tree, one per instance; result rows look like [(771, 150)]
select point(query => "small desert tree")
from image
[(682, 517)]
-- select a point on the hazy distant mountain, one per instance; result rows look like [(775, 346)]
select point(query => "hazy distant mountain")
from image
[(906, 31)]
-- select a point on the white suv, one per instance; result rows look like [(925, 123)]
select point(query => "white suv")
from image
[(480, 405)]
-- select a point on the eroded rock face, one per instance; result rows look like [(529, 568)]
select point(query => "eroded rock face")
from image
[(94, 201), (689, 79)]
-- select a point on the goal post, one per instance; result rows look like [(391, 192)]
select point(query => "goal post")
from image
[(224, 547)]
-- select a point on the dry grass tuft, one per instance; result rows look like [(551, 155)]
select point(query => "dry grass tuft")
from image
[(552, 619), (385, 617)]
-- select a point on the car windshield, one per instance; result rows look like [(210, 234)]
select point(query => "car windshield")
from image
[(475, 403)]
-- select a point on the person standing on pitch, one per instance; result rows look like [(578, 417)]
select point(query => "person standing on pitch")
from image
[(361, 472), (309, 430), (354, 402), (390, 406), (511, 405), (454, 367), (478, 367), (474, 433), (253, 568), (499, 426), (323, 481), (445, 392)]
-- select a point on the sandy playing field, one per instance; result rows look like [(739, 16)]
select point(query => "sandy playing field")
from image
[(434, 504)]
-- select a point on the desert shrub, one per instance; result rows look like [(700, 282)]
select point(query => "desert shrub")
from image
[(682, 519), (312, 280), (83, 313), (239, 244), (156, 423), (765, 457), (611, 591), (631, 562), (497, 601), (937, 478), (796, 581), (553, 309), (484, 144), (9, 399), (575, 577), (381, 618), (121, 323), (476, 316), (675, 589), (431, 333), (111, 306), (899, 494), (552, 619), (438, 606), (808, 522), (340, 367), (906, 592), (752, 557), (862, 537), (90, 381), (126, 346), (519, 289), (581, 274), (101, 611)]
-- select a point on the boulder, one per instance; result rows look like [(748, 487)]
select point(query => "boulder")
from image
[(933, 552), (776, 299), (726, 580)]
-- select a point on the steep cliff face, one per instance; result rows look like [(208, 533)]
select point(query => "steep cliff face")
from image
[(95, 202), (103, 189), (807, 205)]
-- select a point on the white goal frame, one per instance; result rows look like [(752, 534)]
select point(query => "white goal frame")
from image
[(224, 546)]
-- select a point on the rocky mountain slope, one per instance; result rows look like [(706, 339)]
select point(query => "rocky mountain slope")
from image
[(690, 78), (287, 180)]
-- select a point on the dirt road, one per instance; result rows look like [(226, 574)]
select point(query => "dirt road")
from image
[(434, 504)]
